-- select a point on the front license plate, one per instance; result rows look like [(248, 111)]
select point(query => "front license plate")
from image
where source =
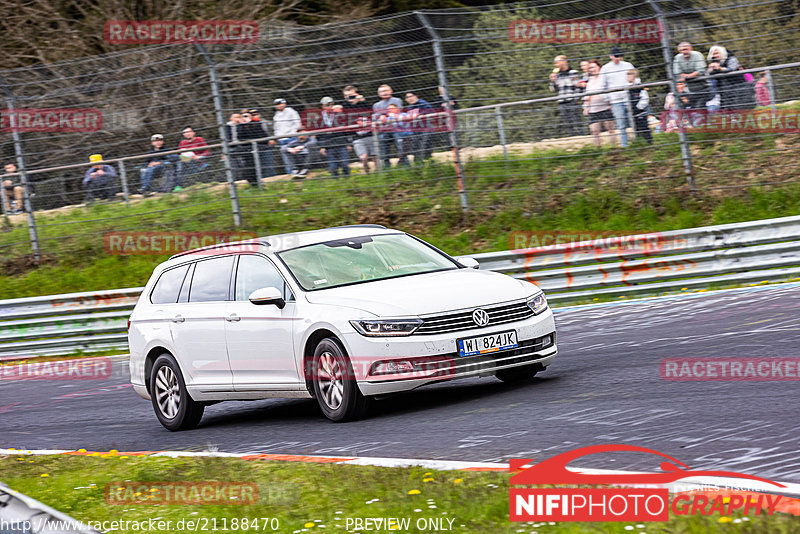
[(484, 344)]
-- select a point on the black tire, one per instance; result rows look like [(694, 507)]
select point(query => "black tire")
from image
[(335, 386), (516, 375), (174, 408)]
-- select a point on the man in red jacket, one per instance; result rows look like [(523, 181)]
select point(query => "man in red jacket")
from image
[(192, 159)]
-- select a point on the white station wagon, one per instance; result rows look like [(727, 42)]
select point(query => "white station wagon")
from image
[(340, 315)]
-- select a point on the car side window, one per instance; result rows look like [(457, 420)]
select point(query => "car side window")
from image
[(211, 280), (255, 272), (168, 285)]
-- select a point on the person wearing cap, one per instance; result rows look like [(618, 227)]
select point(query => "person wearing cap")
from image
[(155, 165), (285, 123), (614, 75), (333, 145), (97, 180), (250, 129), (564, 81)]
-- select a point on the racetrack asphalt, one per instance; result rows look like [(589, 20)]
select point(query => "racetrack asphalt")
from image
[(604, 387)]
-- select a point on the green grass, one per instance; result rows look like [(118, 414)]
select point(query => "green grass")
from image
[(582, 190), (298, 494)]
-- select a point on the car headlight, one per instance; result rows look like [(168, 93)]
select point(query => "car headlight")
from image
[(537, 303), (386, 327)]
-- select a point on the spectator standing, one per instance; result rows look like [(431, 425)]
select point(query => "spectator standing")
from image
[(267, 159), (333, 145), (564, 81), (687, 66), (640, 102), (734, 91), (235, 152), (298, 153), (614, 75), (419, 141), (192, 159), (248, 130), (364, 143), (597, 107), (762, 91), (156, 166), (354, 102), (13, 195), (97, 181), (584, 76), (285, 123), (380, 111)]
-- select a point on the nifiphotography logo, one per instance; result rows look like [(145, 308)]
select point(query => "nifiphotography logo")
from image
[(624, 503)]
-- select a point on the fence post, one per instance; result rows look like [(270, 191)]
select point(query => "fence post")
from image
[(123, 178), (440, 69), (666, 50), (771, 89), (257, 163), (376, 140), (498, 113), (23, 174), (226, 152)]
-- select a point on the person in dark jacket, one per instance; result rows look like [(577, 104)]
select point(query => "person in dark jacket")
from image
[(734, 91), (98, 180), (236, 153), (419, 141), (640, 104), (333, 145), (249, 130), (565, 82), (156, 166)]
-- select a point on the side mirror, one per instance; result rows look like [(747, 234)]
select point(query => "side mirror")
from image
[(470, 263), (267, 295)]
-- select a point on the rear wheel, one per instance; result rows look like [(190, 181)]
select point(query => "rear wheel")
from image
[(335, 386), (519, 374), (174, 408)]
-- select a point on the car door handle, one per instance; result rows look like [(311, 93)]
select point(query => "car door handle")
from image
[(178, 319), (233, 317)]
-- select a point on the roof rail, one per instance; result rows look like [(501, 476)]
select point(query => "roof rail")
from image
[(360, 226), (219, 245)]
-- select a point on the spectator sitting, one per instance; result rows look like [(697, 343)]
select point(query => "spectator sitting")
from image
[(564, 81), (762, 90), (640, 102), (155, 167), (191, 160), (13, 195), (380, 109), (285, 123), (597, 108), (671, 107), (734, 91), (687, 66), (418, 141), (614, 75), (97, 180), (333, 145), (297, 153)]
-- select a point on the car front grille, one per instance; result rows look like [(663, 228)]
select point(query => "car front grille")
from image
[(462, 320)]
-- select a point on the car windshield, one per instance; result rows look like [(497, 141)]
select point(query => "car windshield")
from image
[(362, 259)]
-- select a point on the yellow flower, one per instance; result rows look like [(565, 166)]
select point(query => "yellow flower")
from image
[(44, 475), (113, 452), (427, 474), (123, 457), (81, 450), (429, 479), (309, 524), (725, 519), (457, 481), (414, 492)]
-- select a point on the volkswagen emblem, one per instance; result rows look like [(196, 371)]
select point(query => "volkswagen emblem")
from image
[(481, 317)]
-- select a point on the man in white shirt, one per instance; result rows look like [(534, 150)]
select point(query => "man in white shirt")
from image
[(285, 122), (614, 75)]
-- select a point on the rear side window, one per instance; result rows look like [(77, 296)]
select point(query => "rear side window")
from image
[(168, 285), (211, 280)]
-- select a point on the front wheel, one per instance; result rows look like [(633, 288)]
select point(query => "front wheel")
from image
[(174, 408), (515, 375), (335, 386)]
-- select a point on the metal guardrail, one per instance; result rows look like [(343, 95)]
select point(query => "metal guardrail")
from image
[(20, 514), (639, 265)]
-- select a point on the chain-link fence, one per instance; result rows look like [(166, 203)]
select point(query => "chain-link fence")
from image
[(523, 121)]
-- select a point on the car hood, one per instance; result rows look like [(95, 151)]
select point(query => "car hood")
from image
[(423, 294)]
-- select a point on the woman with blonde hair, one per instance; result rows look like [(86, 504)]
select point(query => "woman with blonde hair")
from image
[(734, 91)]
